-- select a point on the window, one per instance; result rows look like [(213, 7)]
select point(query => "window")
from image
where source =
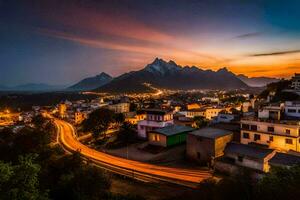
[(288, 131), (270, 129), (245, 126), (240, 158), (299, 111), (271, 138), (198, 155), (254, 127), (246, 135), (288, 141), (256, 137), (291, 110)]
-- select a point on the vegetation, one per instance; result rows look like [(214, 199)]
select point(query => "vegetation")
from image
[(99, 122), (200, 122), (280, 95), (32, 169)]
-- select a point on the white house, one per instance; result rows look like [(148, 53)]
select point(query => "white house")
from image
[(155, 118)]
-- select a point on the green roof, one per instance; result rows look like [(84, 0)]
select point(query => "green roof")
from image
[(173, 130)]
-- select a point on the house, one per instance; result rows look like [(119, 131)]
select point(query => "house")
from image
[(252, 157), (193, 106), (62, 108), (281, 135), (296, 81), (270, 112), (195, 112), (224, 118), (79, 117), (155, 118), (284, 160), (210, 113), (169, 135), (292, 109), (119, 107), (206, 144), (135, 117)]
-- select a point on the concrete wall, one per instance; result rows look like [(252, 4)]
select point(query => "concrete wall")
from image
[(221, 143), (196, 146), (279, 141)]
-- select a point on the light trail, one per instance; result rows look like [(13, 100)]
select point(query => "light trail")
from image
[(181, 176)]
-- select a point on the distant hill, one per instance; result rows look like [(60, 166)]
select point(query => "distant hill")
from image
[(32, 87), (257, 81), (281, 92), (91, 82), (169, 75)]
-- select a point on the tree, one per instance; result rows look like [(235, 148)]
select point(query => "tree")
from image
[(127, 133), (21, 181), (119, 118), (200, 121), (98, 122)]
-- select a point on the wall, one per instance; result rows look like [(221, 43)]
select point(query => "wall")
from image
[(221, 143), (157, 139), (203, 146), (278, 142)]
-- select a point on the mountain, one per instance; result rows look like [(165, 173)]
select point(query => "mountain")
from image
[(257, 81), (32, 87), (36, 87), (169, 75), (91, 82)]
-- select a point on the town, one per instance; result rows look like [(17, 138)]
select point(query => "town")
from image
[(149, 100), (221, 131)]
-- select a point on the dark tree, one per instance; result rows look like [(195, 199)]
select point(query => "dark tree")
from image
[(98, 122)]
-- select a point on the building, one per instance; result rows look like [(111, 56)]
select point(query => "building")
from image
[(79, 117), (292, 109), (248, 156), (210, 113), (193, 106), (135, 117), (62, 108), (155, 118), (119, 107), (194, 112), (280, 135), (284, 160), (204, 145), (296, 82), (224, 118), (169, 135), (270, 112)]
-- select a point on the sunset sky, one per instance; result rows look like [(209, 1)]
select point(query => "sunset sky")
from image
[(63, 41)]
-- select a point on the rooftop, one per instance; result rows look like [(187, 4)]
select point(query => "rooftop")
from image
[(285, 159), (211, 133), (156, 111), (256, 119), (173, 130), (247, 150)]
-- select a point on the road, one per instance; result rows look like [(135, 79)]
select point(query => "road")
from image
[(135, 169)]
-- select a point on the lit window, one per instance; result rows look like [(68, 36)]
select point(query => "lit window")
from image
[(271, 139), (288, 131)]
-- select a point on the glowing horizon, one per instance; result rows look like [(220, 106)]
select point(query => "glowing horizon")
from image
[(65, 42)]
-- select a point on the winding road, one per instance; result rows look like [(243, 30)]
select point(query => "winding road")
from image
[(130, 168)]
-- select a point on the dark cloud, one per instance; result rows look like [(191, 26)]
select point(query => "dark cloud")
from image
[(277, 53), (248, 35)]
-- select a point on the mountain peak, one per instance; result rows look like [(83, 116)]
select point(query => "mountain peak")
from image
[(224, 69), (162, 67)]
